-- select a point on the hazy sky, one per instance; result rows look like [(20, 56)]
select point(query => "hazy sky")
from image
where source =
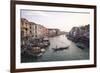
[(61, 20)]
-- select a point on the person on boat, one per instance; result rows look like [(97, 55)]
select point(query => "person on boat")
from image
[(56, 47)]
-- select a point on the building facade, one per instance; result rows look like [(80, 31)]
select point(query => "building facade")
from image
[(53, 32), (31, 29), (25, 28)]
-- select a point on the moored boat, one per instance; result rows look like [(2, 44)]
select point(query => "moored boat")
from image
[(80, 45)]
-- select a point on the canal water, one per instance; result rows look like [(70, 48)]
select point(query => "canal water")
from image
[(71, 53)]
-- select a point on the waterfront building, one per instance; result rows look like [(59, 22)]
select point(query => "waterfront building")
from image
[(53, 32), (25, 28)]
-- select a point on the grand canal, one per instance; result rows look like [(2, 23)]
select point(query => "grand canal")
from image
[(71, 53)]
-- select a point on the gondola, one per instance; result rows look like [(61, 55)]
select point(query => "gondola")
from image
[(60, 48)]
